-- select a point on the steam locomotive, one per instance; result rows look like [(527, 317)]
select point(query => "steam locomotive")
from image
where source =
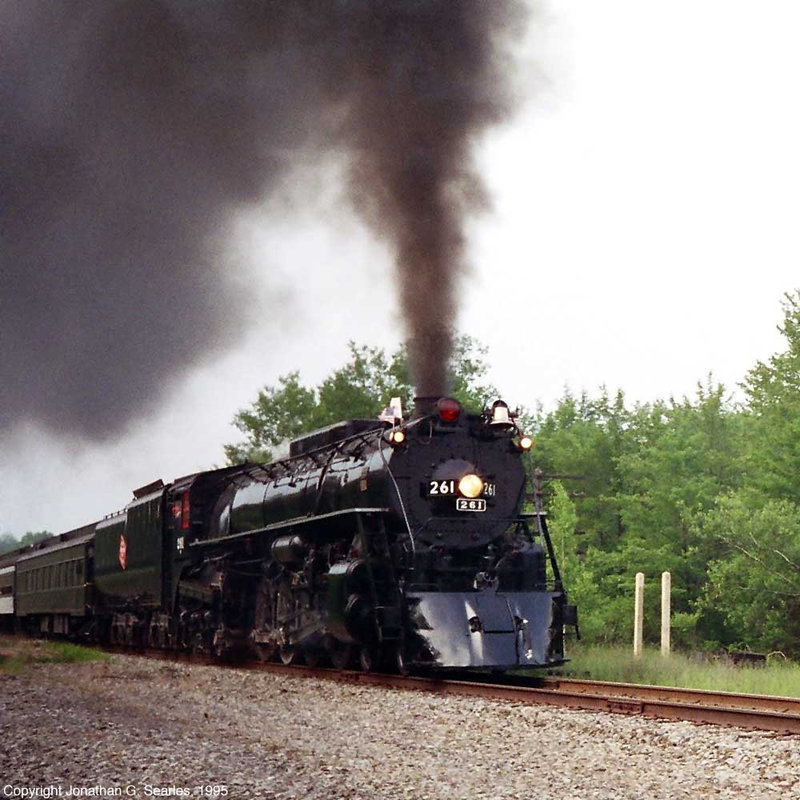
[(394, 541)]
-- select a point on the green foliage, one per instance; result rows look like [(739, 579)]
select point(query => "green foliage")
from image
[(16, 653), (69, 653), (578, 444), (773, 392), (9, 542), (468, 370), (752, 595), (686, 454), (640, 476), (603, 663), (359, 389), (601, 587), (562, 526)]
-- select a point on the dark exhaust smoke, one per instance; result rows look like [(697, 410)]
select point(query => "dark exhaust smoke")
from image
[(133, 131), (424, 79)]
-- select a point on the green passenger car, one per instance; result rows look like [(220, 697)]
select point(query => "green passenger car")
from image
[(54, 585)]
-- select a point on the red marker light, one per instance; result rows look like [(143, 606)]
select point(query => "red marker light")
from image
[(449, 409), (185, 512)]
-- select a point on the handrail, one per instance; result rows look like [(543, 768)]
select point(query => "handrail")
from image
[(290, 523)]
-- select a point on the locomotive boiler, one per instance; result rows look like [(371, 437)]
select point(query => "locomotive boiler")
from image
[(379, 542)]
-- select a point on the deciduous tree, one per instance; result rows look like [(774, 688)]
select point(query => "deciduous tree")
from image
[(359, 389)]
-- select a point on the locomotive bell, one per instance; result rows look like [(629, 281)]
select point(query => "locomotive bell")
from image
[(500, 416)]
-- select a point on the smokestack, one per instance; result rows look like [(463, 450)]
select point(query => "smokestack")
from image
[(423, 406), (134, 130)]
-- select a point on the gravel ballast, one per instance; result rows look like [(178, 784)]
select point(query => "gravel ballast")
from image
[(137, 727)]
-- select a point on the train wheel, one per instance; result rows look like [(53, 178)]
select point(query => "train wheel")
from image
[(313, 656), (153, 634), (341, 655), (265, 652), (368, 657), (400, 663), (197, 645), (288, 654)]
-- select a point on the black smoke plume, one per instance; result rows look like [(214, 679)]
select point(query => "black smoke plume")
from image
[(132, 132)]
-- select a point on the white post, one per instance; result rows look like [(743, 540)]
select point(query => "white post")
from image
[(638, 615), (666, 592)]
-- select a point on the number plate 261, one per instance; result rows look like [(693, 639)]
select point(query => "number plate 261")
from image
[(463, 504)]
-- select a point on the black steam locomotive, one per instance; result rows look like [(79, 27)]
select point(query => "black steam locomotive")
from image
[(388, 541)]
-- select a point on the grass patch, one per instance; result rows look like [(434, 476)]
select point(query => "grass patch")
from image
[(17, 652), (778, 677)]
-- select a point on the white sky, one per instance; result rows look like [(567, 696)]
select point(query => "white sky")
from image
[(645, 227)]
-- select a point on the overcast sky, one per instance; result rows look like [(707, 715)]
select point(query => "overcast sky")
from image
[(643, 232)]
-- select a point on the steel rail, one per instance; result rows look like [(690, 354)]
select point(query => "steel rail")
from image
[(744, 702), (752, 712)]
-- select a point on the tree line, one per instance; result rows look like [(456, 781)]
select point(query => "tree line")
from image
[(706, 488), (9, 542)]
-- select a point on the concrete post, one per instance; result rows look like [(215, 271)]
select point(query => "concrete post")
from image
[(666, 603), (638, 615)]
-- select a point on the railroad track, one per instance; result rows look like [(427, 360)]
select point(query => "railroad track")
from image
[(748, 711), (753, 712)]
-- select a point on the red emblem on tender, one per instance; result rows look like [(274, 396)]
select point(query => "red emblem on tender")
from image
[(123, 552)]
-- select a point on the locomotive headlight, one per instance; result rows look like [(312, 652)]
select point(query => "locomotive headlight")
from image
[(395, 437), (525, 442), (470, 486)]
